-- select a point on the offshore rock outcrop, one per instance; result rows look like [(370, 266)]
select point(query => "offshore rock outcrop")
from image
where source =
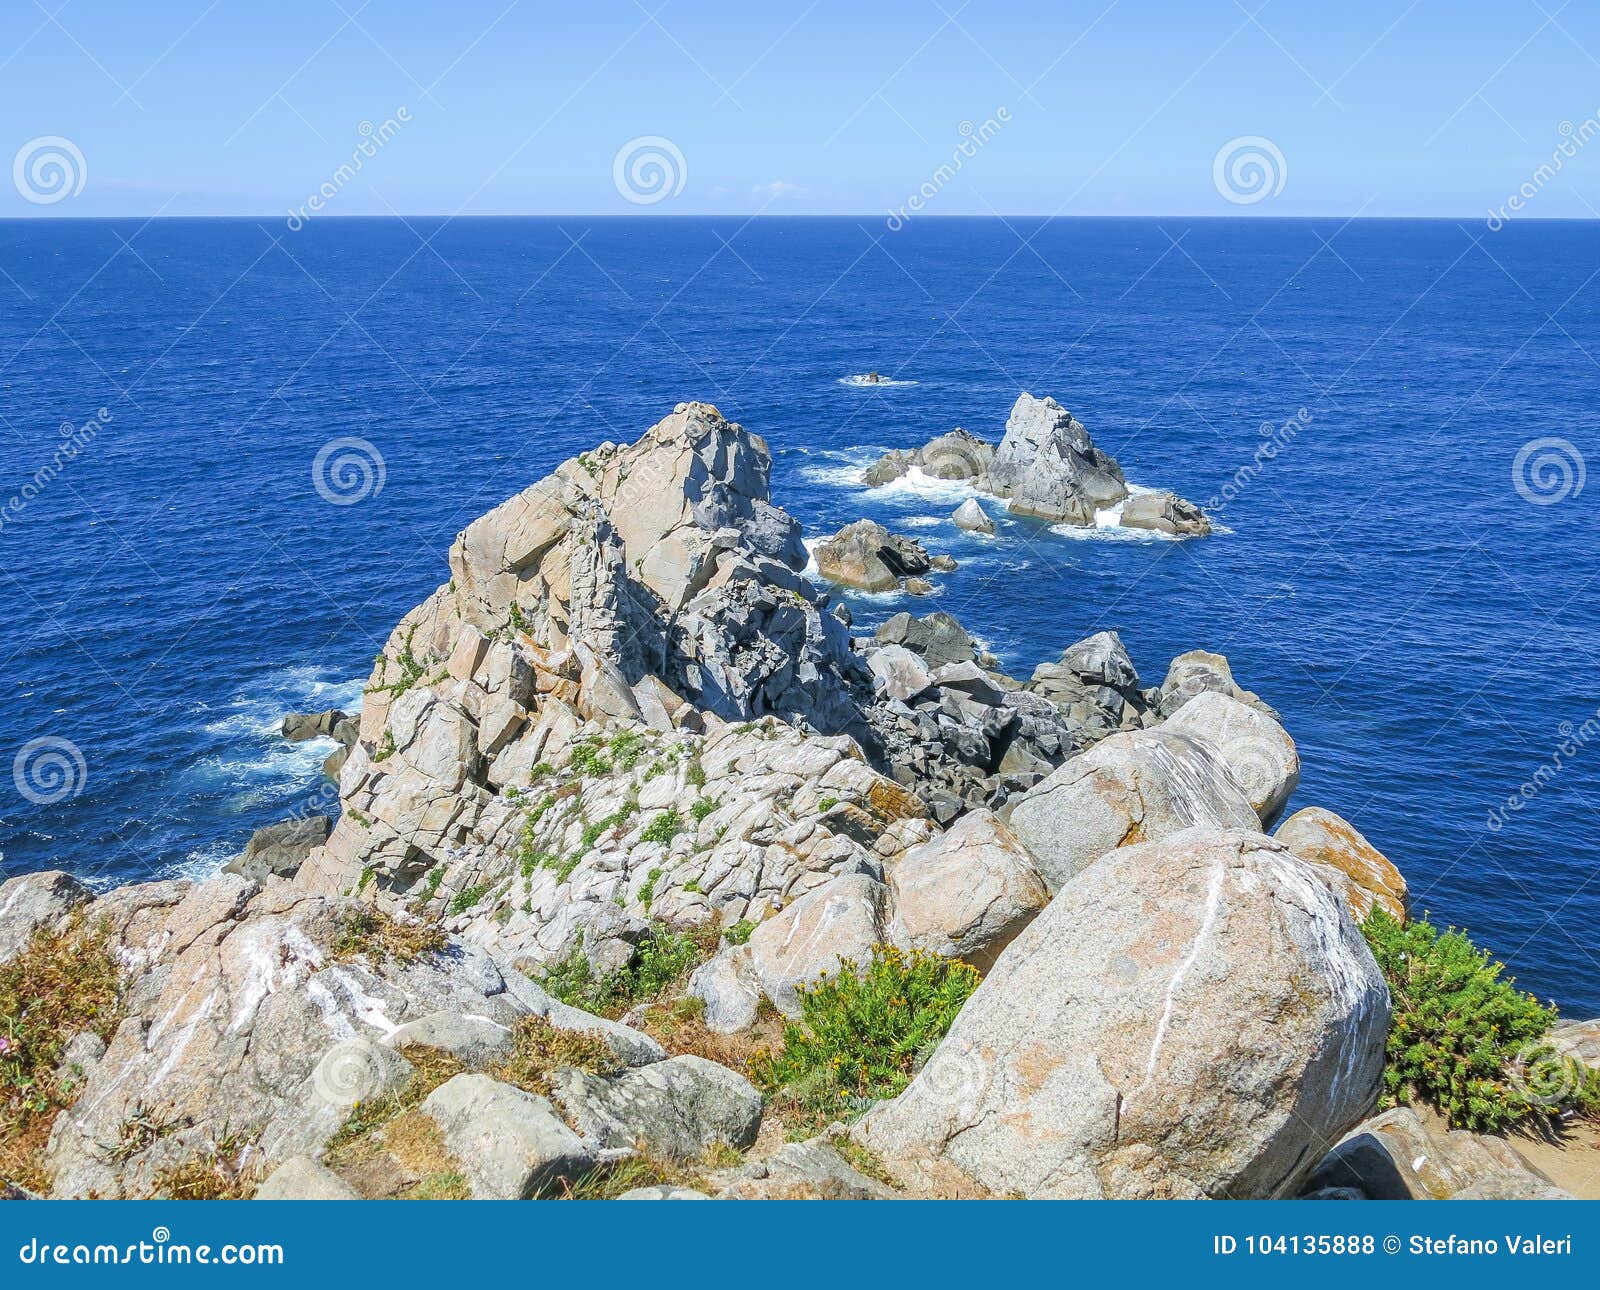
[(1046, 466)]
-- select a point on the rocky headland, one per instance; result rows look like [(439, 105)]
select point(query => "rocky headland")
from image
[(627, 798)]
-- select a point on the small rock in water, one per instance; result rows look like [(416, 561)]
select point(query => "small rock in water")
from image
[(972, 517)]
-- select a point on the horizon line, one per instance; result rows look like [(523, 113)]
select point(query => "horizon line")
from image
[(1001, 216)]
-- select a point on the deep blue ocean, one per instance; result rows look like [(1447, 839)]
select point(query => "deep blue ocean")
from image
[(1426, 627)]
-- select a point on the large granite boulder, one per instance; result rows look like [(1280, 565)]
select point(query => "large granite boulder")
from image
[(1134, 787), (673, 1110), (1327, 839), (957, 455), (1254, 747), (1049, 467), (1193, 1017), (839, 921), (511, 1144), (967, 893), (973, 518), (1404, 1155), (1197, 672), (866, 556)]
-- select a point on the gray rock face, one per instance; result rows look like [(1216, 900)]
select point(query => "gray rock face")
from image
[(658, 570), (302, 1178), (1140, 786), (899, 673), (841, 920), (1164, 513), (957, 455), (1400, 1156), (1254, 747), (280, 849), (477, 1041), (243, 1021), (300, 726), (937, 639), (1197, 1016), (810, 1170), (663, 1192), (675, 1109), (1049, 467), (868, 557), (1577, 1039), (967, 893), (973, 738), (511, 1145), (1198, 672), (36, 900), (1094, 685)]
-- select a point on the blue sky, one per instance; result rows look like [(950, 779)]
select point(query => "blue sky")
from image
[(1439, 107)]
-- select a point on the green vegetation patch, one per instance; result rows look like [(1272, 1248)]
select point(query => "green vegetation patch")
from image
[(863, 1032), (1464, 1038)]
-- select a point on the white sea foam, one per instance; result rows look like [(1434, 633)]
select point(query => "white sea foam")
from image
[(862, 382), (918, 484), (839, 468)]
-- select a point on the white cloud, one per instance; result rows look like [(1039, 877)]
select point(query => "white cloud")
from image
[(776, 189)]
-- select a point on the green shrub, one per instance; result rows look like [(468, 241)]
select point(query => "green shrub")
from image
[(739, 933), (703, 806), (663, 828), (592, 833), (589, 760), (827, 804), (627, 748), (1463, 1038), (863, 1031), (663, 959), (467, 897)]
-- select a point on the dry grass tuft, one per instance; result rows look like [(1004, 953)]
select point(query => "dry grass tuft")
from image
[(431, 1067), (542, 1049), (680, 1028), (418, 1147), (62, 984), (377, 934), (225, 1172)]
